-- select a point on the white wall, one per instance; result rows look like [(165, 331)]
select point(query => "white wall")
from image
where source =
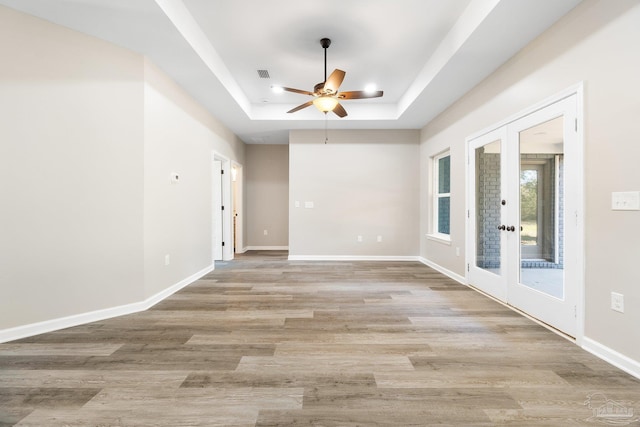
[(267, 191), (89, 134), (596, 43), (180, 137), (71, 122), (362, 183)]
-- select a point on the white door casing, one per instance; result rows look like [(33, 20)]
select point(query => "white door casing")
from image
[(216, 185), (503, 280)]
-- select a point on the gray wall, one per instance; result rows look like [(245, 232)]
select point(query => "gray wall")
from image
[(595, 43), (89, 134), (361, 183), (267, 190)]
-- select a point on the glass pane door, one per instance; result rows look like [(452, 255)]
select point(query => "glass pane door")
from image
[(540, 275), (541, 207), (522, 245), (487, 210), (488, 197)]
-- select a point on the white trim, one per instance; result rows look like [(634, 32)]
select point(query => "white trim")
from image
[(266, 248), (581, 300), (440, 269), (351, 258), (576, 89), (32, 329), (242, 250), (442, 238), (611, 356)]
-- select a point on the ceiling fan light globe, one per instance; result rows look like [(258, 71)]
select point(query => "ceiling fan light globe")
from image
[(325, 103)]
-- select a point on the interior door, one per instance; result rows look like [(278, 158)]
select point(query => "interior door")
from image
[(524, 190)]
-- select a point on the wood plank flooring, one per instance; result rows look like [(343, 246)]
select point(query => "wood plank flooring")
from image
[(262, 341)]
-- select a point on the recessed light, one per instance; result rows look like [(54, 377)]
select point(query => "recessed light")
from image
[(370, 88), (277, 89)]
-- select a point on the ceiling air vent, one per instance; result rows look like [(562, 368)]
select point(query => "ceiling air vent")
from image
[(264, 74)]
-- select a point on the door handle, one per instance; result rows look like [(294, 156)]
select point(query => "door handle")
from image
[(511, 228), (502, 227)]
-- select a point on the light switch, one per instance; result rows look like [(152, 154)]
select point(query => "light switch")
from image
[(297, 204), (625, 201), (308, 205)]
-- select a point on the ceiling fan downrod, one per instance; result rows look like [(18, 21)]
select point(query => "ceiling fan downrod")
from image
[(325, 43)]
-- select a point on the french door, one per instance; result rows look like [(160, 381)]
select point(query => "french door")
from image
[(524, 195)]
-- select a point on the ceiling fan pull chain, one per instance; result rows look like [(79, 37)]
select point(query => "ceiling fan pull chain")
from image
[(326, 136)]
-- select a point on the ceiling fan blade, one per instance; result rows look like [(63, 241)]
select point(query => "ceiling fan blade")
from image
[(359, 94), (300, 107), (334, 81), (340, 111), (304, 92)]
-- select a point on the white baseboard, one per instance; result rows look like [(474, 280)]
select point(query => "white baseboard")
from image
[(455, 276), (350, 258), (38, 328), (242, 250), (266, 248), (611, 356)]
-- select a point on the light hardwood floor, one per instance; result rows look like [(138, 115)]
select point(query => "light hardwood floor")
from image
[(267, 342)]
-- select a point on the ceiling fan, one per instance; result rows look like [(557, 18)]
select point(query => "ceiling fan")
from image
[(326, 95)]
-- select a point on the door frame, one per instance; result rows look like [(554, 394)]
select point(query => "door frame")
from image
[(227, 249), (237, 185), (578, 215)]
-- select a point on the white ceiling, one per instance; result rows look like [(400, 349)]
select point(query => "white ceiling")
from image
[(424, 54)]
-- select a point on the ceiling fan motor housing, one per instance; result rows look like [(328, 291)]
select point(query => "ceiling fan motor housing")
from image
[(319, 88)]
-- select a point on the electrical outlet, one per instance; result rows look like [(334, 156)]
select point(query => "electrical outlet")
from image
[(457, 251), (617, 302), (167, 260), (359, 238), (379, 239), (266, 232)]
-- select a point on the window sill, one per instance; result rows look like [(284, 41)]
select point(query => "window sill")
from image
[(441, 238)]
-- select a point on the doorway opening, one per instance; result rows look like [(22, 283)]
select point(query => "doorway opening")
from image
[(221, 219), (519, 177), (237, 179)]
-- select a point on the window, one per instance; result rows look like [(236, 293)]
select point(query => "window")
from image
[(441, 195)]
